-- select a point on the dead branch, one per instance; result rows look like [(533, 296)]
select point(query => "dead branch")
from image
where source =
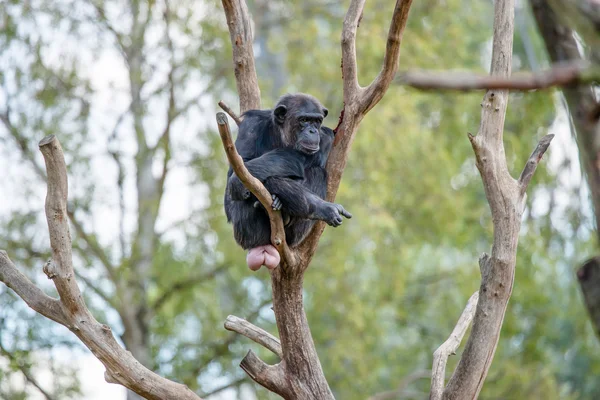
[(257, 189), (240, 32), (449, 347), (532, 163), (270, 377), (230, 112), (70, 310), (559, 75), (254, 333), (35, 298), (506, 197)]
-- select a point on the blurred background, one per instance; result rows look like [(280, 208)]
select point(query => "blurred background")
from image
[(130, 89)]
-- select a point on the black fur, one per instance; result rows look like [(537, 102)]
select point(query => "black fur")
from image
[(278, 148)]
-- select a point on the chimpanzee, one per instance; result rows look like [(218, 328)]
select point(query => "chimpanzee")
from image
[(285, 148)]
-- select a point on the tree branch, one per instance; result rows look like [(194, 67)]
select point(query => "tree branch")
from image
[(449, 347), (532, 163), (269, 377), (230, 112), (121, 366), (357, 101), (35, 298), (349, 65), (559, 75), (257, 189), (254, 333), (240, 32), (505, 196)]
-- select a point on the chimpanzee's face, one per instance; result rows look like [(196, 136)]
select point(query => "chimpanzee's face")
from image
[(308, 128), (300, 117)]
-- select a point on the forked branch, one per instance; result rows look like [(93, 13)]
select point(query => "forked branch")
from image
[(506, 197), (71, 311)]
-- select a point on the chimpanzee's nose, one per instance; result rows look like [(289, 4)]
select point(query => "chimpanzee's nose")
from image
[(313, 130)]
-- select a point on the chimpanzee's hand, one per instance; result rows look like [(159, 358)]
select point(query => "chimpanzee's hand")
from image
[(332, 214)]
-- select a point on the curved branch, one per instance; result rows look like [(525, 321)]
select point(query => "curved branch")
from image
[(35, 298), (121, 366), (230, 112), (257, 189), (254, 333), (270, 377)]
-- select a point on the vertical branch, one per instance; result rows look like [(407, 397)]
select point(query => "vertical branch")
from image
[(60, 269), (240, 31), (506, 197)]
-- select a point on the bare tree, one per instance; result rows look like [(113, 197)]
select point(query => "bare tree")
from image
[(299, 374)]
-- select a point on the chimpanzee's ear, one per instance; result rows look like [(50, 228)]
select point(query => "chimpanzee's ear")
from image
[(279, 113), (325, 112)]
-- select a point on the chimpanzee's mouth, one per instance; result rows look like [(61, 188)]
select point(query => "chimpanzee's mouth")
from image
[(311, 150)]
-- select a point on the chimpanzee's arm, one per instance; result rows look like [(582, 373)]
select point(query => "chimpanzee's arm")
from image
[(300, 202), (286, 163)]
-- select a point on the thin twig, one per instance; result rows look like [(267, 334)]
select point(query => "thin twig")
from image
[(449, 347), (230, 112), (534, 160)]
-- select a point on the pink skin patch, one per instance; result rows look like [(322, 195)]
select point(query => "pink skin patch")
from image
[(263, 255)]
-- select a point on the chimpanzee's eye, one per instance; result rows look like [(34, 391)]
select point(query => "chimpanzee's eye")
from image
[(302, 120)]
